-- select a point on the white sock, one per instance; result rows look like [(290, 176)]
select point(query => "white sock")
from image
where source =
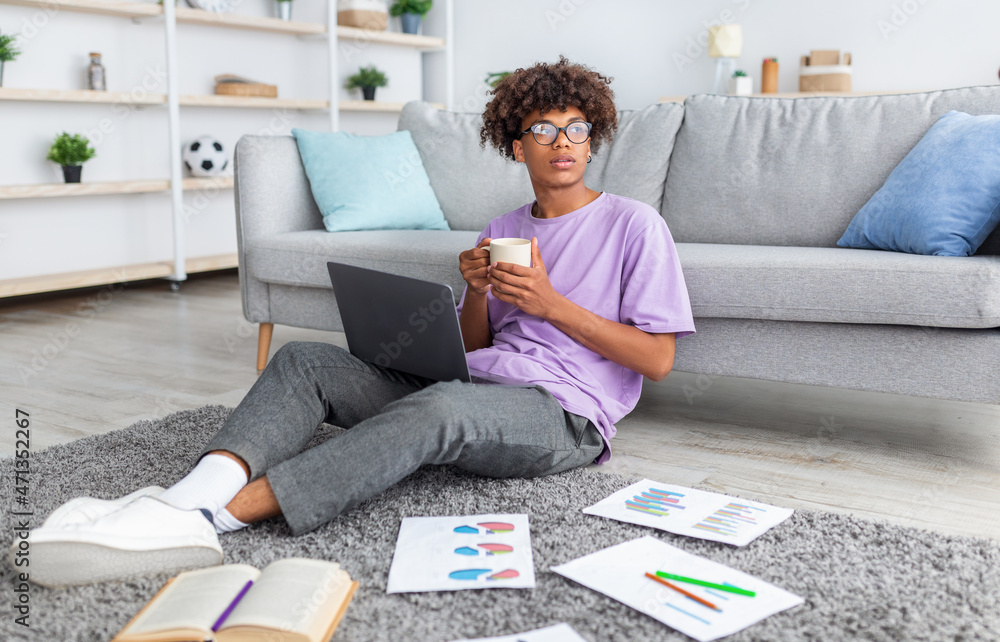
[(226, 523), (211, 484)]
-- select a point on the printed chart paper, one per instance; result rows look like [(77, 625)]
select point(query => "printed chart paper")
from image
[(455, 553), (691, 512), (619, 572), (556, 633)]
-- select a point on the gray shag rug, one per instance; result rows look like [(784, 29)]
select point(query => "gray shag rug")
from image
[(860, 579)]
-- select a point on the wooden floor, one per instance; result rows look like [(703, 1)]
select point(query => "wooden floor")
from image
[(91, 361)]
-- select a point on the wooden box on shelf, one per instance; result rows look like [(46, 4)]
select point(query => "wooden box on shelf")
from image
[(230, 85), (825, 70), (371, 15)]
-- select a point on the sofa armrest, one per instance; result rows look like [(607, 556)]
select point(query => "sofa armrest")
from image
[(273, 193), (272, 196)]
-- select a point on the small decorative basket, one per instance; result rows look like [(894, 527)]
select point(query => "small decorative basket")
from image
[(825, 71), (232, 85)]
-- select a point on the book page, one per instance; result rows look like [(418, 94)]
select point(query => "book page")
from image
[(195, 599), (294, 594)]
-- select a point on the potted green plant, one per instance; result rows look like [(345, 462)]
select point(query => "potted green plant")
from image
[(368, 79), (283, 9), (494, 79), (740, 84), (410, 12), (8, 52), (71, 152)]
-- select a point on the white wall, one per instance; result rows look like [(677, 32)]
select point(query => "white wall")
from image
[(936, 44), (643, 44)]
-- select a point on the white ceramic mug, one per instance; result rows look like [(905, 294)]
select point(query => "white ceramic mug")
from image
[(510, 250)]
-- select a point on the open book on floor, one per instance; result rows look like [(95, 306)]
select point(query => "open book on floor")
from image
[(293, 599)]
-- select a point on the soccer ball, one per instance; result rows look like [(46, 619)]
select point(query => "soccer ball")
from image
[(205, 156)]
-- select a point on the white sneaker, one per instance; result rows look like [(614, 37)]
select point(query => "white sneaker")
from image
[(143, 537), (87, 509)]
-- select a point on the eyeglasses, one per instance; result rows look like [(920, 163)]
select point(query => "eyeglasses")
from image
[(547, 133)]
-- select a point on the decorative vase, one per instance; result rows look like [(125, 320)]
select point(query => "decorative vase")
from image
[(72, 173), (769, 77), (740, 86), (368, 93), (284, 9), (410, 22), (96, 75)]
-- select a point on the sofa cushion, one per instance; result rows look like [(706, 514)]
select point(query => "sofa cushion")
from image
[(943, 198), (299, 258), (635, 162), (368, 182), (779, 171), (475, 185), (839, 285)]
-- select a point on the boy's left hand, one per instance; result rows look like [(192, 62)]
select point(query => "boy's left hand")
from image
[(527, 288)]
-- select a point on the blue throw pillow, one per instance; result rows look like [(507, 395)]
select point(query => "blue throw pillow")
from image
[(943, 198), (369, 182)]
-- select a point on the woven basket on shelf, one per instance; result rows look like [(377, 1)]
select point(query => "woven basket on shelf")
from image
[(246, 89)]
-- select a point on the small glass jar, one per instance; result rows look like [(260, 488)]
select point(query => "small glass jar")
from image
[(95, 74)]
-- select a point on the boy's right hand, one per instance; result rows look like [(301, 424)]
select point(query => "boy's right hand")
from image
[(475, 267)]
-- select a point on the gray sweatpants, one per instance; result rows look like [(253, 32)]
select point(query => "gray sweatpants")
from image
[(397, 423)]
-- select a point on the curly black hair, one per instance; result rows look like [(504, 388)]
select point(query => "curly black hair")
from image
[(547, 87)]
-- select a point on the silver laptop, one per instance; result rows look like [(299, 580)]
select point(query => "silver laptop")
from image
[(404, 323)]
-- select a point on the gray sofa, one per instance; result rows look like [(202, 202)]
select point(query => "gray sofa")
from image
[(756, 192)]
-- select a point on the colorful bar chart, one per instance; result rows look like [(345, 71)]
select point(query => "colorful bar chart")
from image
[(690, 511), (655, 501), (728, 520)]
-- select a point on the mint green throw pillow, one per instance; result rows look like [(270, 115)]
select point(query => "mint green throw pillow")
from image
[(369, 182)]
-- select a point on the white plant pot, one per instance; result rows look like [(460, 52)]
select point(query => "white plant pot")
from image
[(740, 86)]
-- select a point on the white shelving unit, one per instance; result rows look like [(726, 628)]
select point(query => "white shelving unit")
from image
[(171, 16)]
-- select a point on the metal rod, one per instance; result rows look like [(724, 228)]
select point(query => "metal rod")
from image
[(176, 172), (331, 47)]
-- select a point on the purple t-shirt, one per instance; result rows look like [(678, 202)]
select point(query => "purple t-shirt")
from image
[(614, 257)]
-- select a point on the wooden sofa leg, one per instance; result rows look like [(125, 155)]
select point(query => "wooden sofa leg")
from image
[(263, 345)]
